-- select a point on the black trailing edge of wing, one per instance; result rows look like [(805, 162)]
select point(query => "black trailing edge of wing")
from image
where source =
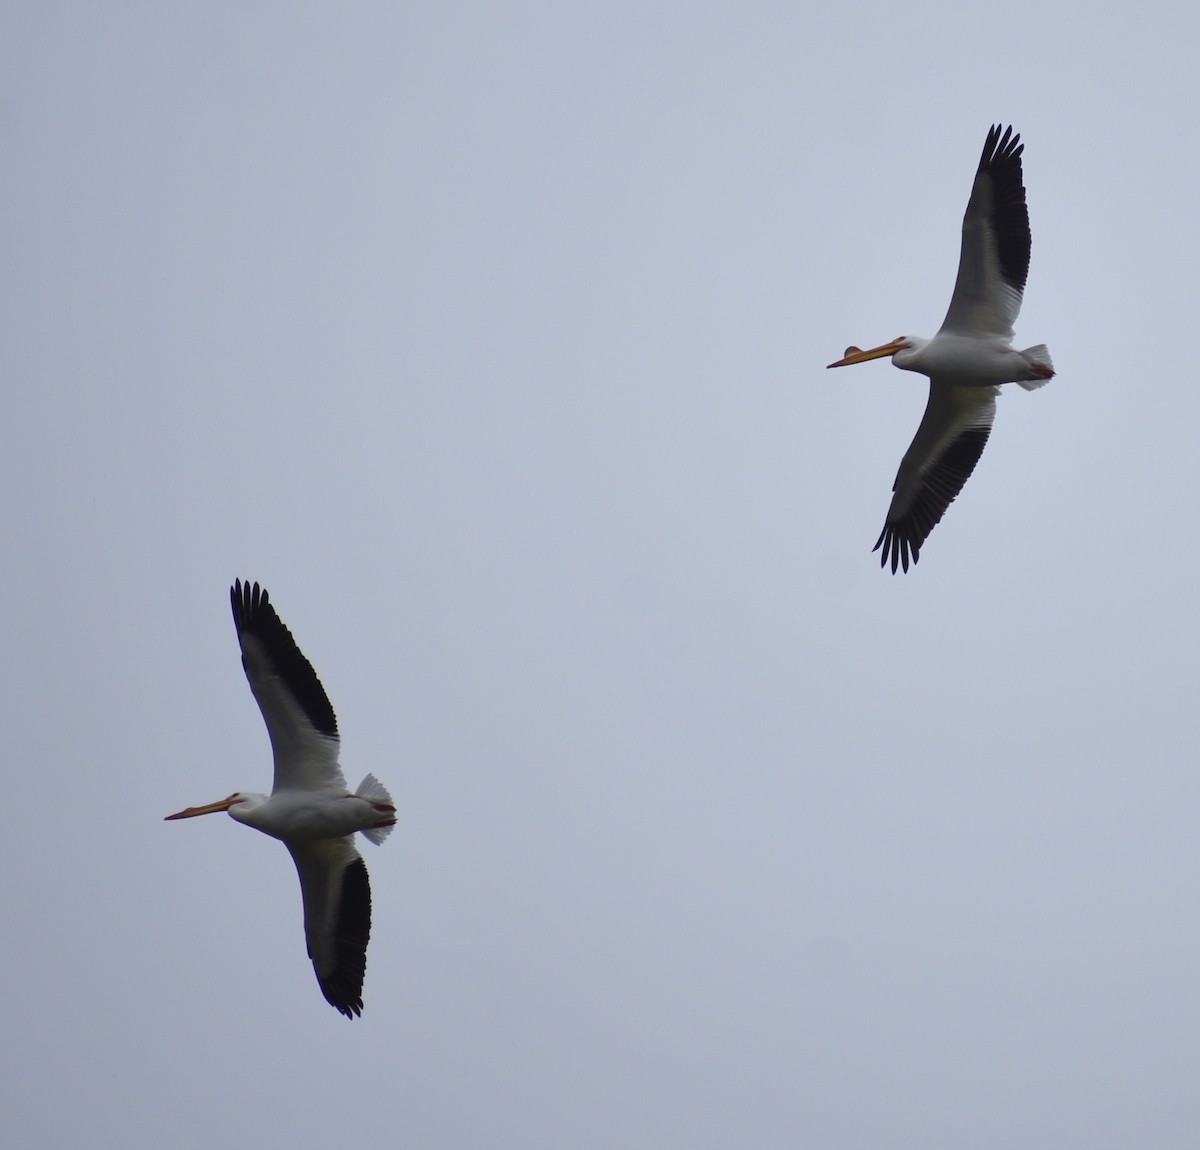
[(254, 615), (902, 538)]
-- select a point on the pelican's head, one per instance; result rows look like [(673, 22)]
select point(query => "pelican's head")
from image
[(857, 355)]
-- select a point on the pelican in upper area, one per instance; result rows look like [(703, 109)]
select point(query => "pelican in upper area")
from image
[(970, 355), (309, 810)]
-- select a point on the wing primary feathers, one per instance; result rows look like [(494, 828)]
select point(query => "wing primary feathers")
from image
[(352, 931), (254, 615), (903, 536), (1001, 162)]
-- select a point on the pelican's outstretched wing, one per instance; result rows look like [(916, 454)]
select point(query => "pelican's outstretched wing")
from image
[(994, 261), (337, 917), (298, 714), (940, 459)]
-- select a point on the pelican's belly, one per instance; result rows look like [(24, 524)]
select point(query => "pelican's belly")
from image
[(301, 815), (973, 362)]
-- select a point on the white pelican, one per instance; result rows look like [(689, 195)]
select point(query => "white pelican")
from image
[(970, 355), (310, 810)]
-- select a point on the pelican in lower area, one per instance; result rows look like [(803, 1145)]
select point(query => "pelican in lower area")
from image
[(969, 357), (309, 810)]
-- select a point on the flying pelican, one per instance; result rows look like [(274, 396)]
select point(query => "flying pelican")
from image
[(970, 355), (309, 810)]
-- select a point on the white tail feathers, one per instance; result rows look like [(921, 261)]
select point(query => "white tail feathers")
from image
[(374, 791), (1040, 364)]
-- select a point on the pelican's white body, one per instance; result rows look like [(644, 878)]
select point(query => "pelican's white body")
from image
[(974, 360), (306, 815)]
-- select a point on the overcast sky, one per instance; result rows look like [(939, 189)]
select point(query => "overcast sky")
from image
[(491, 338)]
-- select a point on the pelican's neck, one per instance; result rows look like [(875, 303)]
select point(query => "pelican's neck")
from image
[(908, 358), (247, 809)]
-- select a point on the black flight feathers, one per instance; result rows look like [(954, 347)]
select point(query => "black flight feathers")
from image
[(343, 987), (254, 615), (1001, 162), (904, 535)]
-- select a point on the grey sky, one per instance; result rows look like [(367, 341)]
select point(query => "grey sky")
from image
[(491, 339)]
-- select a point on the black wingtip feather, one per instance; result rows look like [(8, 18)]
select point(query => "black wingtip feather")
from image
[(253, 614), (343, 988), (1001, 160), (896, 547)]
